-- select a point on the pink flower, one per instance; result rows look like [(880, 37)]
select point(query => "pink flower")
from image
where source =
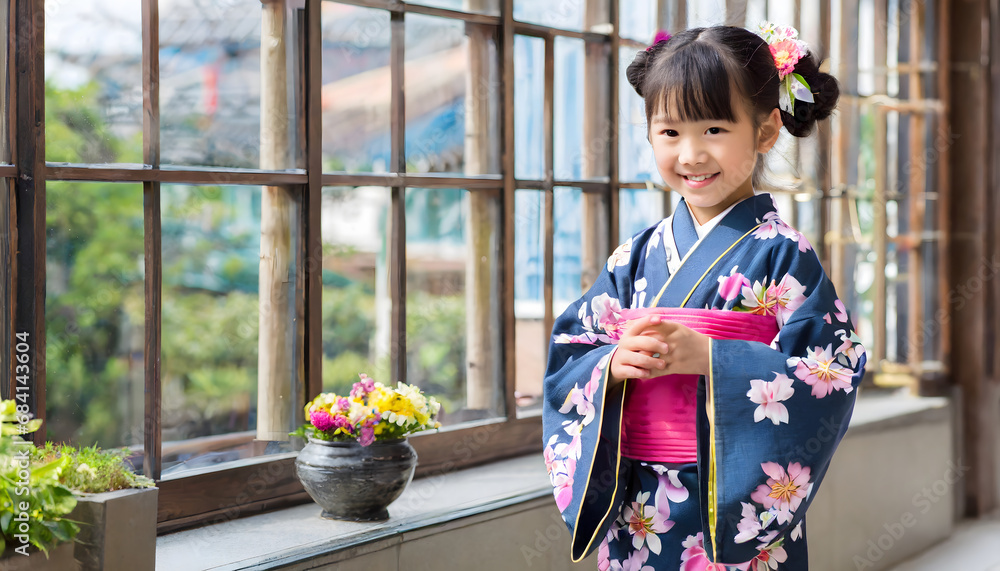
[(341, 421), (779, 299), (341, 405), (773, 227), (363, 387), (786, 54), (749, 526), (694, 557), (784, 491), (769, 557), (582, 400), (604, 556), (367, 435), (769, 396), (841, 314), (821, 371), (730, 286), (322, 420), (637, 561), (669, 486), (608, 312), (562, 481), (850, 348), (645, 521)]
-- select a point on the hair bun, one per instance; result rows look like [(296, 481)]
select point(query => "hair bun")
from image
[(636, 71), (825, 90)]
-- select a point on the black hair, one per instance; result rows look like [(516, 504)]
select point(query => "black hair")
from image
[(696, 71)]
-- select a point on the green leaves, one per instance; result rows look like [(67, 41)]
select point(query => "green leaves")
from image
[(33, 502)]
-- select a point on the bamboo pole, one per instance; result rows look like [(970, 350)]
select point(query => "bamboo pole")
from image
[(879, 226), (274, 382), (918, 197), (482, 334)]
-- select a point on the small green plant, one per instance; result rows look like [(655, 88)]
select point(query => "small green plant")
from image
[(33, 502), (91, 469)]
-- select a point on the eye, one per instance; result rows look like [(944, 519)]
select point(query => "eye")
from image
[(669, 132), (715, 130)]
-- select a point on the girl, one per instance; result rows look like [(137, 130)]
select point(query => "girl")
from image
[(680, 442)]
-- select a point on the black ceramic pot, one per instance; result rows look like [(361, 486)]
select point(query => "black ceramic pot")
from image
[(354, 482)]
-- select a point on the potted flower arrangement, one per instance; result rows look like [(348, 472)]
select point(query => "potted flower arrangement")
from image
[(86, 499), (357, 460)]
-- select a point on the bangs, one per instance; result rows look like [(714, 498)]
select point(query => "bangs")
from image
[(694, 83)]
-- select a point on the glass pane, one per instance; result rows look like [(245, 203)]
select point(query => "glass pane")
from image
[(491, 7), (357, 309), (553, 13), (529, 279), (452, 318), (94, 314), (638, 209), (93, 83), (637, 20), (356, 89), (217, 107), (529, 97), (566, 248), (452, 90), (568, 133), (635, 154), (228, 349)]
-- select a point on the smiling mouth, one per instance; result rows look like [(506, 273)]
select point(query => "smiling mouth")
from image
[(699, 178)]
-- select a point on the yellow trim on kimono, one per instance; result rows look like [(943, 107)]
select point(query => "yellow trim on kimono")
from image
[(656, 299), (717, 260), (713, 496), (618, 461)]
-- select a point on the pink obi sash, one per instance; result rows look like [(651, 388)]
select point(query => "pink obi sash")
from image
[(659, 419)]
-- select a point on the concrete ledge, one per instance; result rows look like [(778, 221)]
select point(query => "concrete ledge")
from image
[(501, 516), (890, 490)]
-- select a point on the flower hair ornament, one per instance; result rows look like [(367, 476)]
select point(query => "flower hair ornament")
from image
[(661, 36), (787, 50)]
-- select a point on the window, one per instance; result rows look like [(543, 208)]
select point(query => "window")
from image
[(234, 205)]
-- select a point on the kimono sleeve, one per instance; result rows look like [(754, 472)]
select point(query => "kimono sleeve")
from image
[(581, 416), (774, 415)]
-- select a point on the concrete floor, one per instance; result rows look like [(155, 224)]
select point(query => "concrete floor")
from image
[(975, 546)]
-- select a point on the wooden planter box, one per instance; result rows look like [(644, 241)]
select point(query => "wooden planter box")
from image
[(117, 531)]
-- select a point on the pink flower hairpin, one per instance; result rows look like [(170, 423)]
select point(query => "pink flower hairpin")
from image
[(787, 50)]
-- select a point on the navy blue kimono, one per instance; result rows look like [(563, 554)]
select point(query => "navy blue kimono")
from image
[(769, 417)]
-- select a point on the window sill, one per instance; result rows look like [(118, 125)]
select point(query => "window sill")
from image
[(295, 535), (285, 537)]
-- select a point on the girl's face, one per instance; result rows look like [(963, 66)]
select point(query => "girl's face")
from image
[(710, 162)]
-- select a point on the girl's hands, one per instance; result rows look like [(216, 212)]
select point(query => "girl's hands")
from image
[(652, 347)]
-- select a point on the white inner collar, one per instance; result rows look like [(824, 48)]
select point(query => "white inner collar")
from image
[(703, 229)]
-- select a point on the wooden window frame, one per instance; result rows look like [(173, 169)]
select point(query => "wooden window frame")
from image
[(268, 482)]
